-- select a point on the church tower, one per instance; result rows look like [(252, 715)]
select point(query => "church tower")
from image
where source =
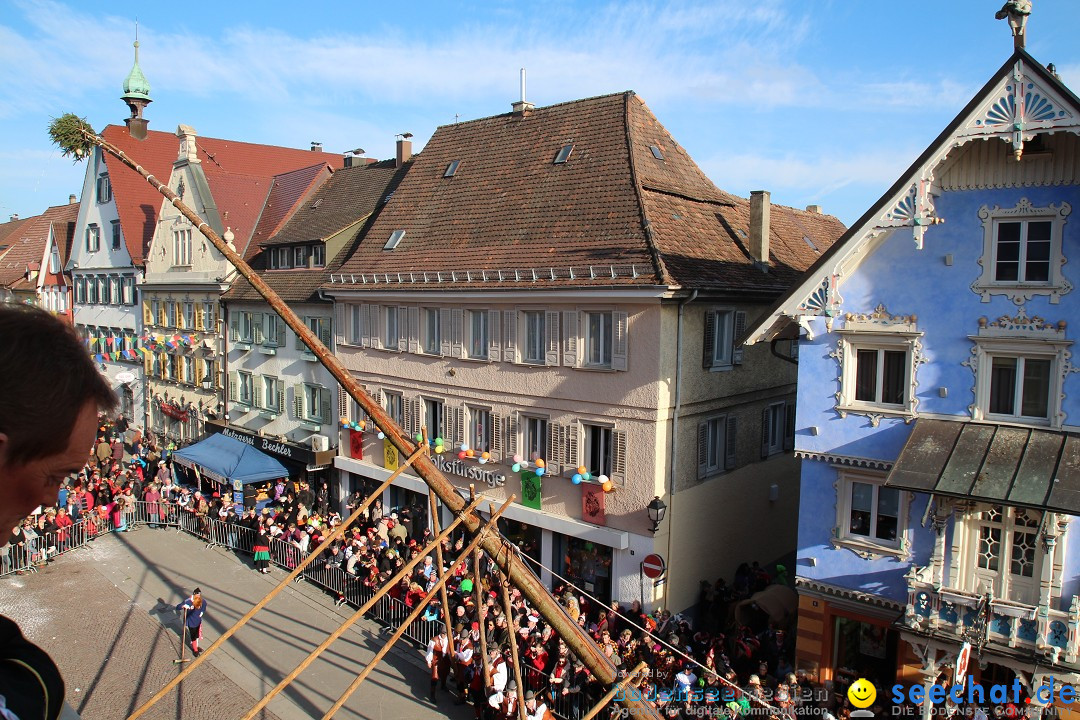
[(136, 96)]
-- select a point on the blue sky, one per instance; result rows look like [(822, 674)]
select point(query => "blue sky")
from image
[(823, 102)]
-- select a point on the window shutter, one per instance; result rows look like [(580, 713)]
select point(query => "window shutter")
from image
[(765, 432), (445, 322), (280, 399), (570, 338), (512, 434), (409, 416), (789, 426), (343, 403), (498, 447), (365, 324), (298, 401), (402, 327), (618, 456), (324, 411), (740, 328), (731, 444), (620, 327), (233, 380), (710, 339), (148, 315), (457, 322), (256, 392), (510, 336), (573, 433), (702, 449), (556, 449), (200, 370), (163, 318), (280, 325), (459, 424), (414, 329), (376, 325), (326, 332), (257, 328), (234, 327), (551, 342), (199, 324), (494, 343), (339, 322)]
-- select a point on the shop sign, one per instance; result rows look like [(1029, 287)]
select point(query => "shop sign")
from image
[(469, 471), (390, 455), (173, 411), (267, 445), (531, 493)]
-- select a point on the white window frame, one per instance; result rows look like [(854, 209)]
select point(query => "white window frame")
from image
[(480, 434), (431, 331), (182, 248), (588, 430), (606, 329), (719, 339), (284, 258), (715, 456), (986, 348), (318, 256), (775, 431), (848, 345), (433, 417), (1002, 582), (189, 315), (867, 546), (54, 258), (170, 314), (128, 289), (103, 189), (245, 327), (533, 320), (390, 327), (93, 238), (476, 343), (271, 392), (394, 404), (529, 450), (245, 388), (116, 235), (313, 402), (1018, 291)]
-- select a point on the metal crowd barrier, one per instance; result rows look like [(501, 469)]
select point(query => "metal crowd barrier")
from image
[(345, 586)]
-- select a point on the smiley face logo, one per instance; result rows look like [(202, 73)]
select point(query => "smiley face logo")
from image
[(862, 693)]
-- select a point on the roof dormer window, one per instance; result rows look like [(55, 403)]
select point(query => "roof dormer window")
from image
[(451, 169), (395, 238), (564, 154)]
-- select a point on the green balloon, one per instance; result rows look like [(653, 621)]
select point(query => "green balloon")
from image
[(586, 476), (419, 437), (439, 441)]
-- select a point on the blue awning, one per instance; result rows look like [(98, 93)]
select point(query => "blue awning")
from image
[(226, 460)]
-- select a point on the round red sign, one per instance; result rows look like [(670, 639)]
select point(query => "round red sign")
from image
[(653, 566)]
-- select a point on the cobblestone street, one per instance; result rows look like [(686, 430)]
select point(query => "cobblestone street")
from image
[(105, 613)]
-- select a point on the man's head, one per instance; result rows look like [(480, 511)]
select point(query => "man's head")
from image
[(48, 410)]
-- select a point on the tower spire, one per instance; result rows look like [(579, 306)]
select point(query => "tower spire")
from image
[(136, 95)]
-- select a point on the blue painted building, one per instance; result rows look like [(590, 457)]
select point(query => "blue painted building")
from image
[(938, 406)]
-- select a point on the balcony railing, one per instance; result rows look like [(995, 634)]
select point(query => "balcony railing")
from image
[(954, 614)]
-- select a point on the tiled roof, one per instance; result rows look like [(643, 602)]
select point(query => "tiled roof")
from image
[(347, 196), (240, 176), (612, 214), (27, 243), (286, 192)]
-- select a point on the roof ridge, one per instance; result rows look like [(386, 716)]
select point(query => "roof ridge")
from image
[(543, 107), (654, 252)]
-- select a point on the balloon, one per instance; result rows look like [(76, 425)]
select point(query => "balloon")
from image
[(517, 458), (540, 472), (363, 425), (576, 479), (345, 421), (608, 486), (419, 437), (439, 441), (483, 461), (516, 467), (470, 452), (602, 479), (586, 475), (439, 449), (582, 469), (461, 455), (524, 463), (485, 455), (465, 446), (382, 436), (540, 463)]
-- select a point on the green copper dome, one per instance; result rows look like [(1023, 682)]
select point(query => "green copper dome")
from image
[(136, 86)]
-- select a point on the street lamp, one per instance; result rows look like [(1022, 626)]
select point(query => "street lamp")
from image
[(208, 382), (657, 509)]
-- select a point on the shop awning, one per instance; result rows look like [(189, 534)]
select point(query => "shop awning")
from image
[(225, 459), (1022, 467)]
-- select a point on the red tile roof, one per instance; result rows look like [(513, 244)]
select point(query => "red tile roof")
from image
[(286, 192), (27, 243), (612, 214), (240, 176)]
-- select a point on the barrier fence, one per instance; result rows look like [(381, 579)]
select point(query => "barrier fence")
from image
[(390, 612)]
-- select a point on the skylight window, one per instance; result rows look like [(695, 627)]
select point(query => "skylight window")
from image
[(564, 154), (316, 204), (395, 238), (656, 152), (451, 169), (808, 241)]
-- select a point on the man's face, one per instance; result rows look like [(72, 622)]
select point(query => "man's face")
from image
[(25, 486)]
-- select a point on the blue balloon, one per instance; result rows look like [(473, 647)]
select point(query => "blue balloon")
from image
[(576, 479), (540, 471), (516, 467), (382, 436), (483, 461)]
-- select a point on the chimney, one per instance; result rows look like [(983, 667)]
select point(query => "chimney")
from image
[(404, 149), (522, 107), (816, 209), (316, 146), (14, 217), (72, 199), (759, 226)]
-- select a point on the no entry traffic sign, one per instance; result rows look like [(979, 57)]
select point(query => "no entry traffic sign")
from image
[(653, 566)]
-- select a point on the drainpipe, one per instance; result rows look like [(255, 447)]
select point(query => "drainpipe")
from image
[(675, 413)]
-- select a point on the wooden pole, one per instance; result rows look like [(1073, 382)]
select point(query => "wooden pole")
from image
[(614, 690), (515, 570), (481, 616), (338, 532), (481, 532), (440, 571), (404, 572), (512, 627)]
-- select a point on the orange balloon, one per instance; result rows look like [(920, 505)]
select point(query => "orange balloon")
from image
[(540, 463), (582, 469), (608, 486), (470, 452), (485, 455)]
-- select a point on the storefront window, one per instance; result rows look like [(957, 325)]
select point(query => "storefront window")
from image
[(863, 650), (584, 563), (527, 538)]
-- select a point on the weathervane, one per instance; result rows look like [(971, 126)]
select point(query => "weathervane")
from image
[(1017, 12)]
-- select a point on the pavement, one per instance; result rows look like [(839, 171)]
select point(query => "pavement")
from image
[(106, 615)]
